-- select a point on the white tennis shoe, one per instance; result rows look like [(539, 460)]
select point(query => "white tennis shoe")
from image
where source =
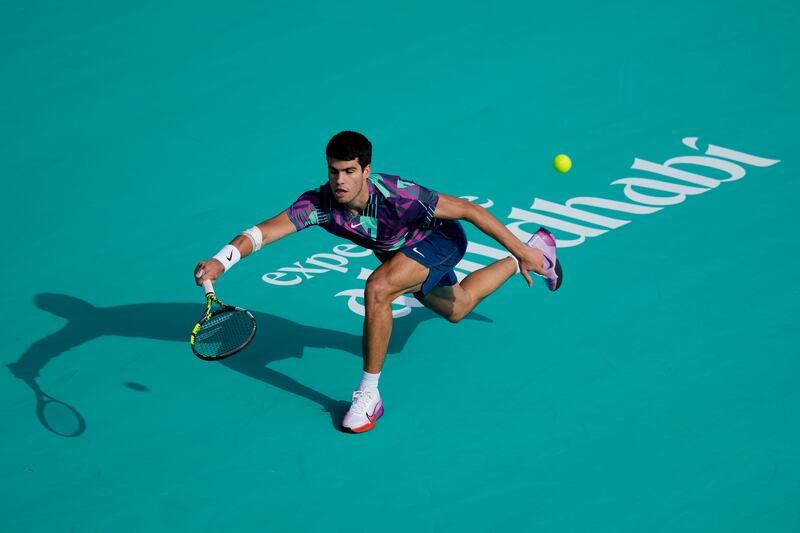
[(365, 410)]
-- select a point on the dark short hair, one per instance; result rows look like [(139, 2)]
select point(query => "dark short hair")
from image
[(349, 145)]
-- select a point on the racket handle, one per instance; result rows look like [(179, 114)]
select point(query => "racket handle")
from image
[(209, 287)]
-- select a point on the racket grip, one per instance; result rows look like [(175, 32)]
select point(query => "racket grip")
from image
[(209, 287)]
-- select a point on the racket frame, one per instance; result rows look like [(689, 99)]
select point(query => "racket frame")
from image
[(211, 298)]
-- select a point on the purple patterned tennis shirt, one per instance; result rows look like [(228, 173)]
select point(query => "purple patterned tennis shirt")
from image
[(399, 213)]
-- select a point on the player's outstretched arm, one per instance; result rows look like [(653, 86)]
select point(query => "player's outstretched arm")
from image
[(450, 207), (243, 245)]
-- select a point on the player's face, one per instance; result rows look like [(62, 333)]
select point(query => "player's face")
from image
[(348, 180)]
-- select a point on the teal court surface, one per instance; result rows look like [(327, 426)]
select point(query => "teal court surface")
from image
[(655, 392)]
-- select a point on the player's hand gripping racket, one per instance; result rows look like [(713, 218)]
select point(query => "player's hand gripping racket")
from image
[(223, 330)]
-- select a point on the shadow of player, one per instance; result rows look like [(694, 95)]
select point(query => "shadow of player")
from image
[(279, 338)]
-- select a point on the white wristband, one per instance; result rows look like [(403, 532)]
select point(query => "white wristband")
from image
[(228, 256), (255, 236)]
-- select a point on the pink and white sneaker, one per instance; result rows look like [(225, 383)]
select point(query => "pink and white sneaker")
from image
[(544, 241), (366, 409)]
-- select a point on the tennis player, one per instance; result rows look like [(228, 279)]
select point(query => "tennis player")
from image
[(416, 235)]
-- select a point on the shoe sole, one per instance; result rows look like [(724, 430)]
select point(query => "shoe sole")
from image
[(365, 427), (560, 275)]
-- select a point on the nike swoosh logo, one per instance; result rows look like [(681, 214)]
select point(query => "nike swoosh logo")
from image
[(230, 255), (415, 249), (356, 225), (371, 416)]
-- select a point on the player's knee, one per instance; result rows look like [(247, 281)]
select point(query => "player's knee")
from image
[(454, 318), (377, 290), (461, 309), (457, 316)]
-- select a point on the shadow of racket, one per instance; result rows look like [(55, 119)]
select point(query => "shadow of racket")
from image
[(56, 416)]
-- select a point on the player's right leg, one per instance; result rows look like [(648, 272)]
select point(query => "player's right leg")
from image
[(394, 277)]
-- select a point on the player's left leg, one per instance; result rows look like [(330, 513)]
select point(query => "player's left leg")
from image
[(454, 302)]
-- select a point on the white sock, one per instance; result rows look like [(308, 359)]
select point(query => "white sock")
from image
[(369, 381)]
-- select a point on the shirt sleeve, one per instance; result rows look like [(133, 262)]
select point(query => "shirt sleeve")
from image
[(306, 210)]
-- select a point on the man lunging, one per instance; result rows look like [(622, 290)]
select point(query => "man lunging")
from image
[(415, 234)]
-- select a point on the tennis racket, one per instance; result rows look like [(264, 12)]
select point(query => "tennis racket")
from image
[(223, 330)]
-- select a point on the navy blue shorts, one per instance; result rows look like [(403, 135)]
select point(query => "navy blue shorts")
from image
[(440, 252)]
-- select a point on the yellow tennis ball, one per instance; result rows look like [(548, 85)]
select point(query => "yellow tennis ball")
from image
[(562, 163)]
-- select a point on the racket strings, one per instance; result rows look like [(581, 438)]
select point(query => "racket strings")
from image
[(223, 333)]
